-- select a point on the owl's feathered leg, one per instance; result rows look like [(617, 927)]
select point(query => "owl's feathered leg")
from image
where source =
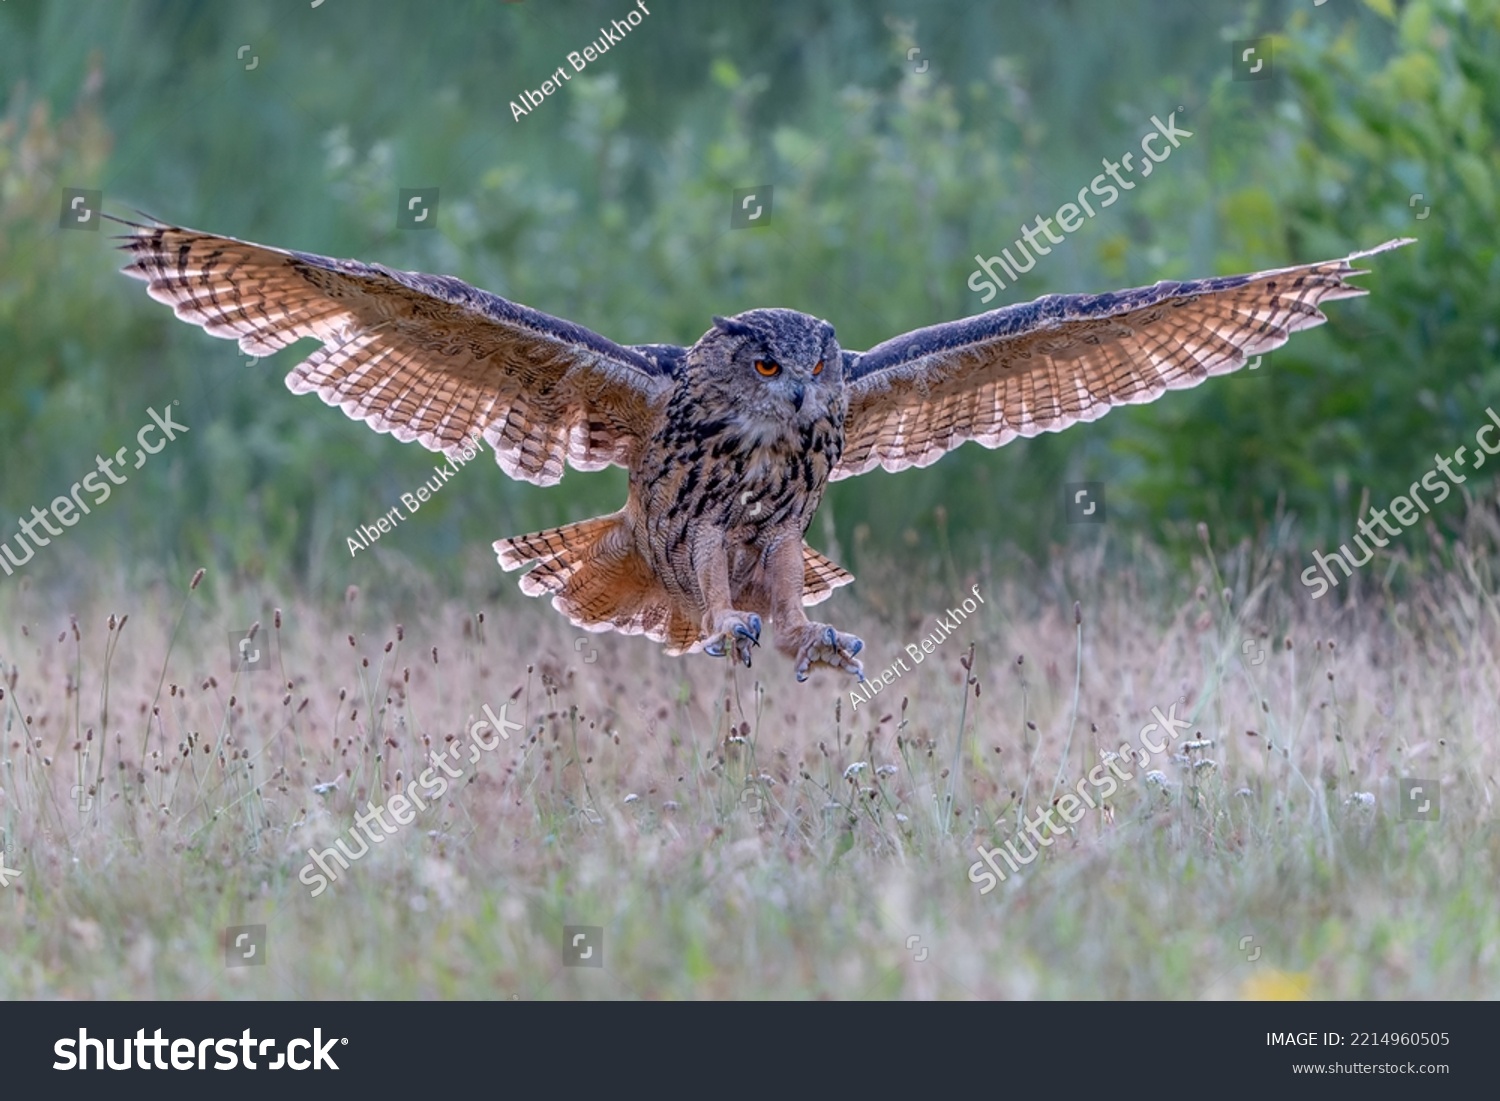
[(726, 627), (806, 642)]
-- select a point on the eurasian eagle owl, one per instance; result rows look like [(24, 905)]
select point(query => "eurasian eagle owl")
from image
[(729, 443)]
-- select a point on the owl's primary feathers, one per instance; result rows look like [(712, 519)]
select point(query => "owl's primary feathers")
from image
[(729, 443)]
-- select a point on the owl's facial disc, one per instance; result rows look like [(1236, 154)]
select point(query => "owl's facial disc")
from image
[(795, 383), (774, 374)]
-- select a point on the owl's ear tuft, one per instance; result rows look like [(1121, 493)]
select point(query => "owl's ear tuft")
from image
[(731, 327)]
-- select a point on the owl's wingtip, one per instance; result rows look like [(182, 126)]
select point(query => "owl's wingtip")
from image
[(1393, 243)]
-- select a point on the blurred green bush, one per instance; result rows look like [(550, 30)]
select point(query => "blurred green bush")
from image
[(609, 205)]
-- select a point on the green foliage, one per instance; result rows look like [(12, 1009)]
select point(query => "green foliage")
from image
[(609, 204), (1372, 121)]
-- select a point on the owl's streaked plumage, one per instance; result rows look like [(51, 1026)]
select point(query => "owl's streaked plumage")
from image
[(729, 443)]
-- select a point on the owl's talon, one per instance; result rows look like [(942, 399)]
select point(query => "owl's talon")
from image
[(738, 632), (749, 629), (819, 644)]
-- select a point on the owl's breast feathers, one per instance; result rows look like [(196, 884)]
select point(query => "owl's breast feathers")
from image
[(743, 479)]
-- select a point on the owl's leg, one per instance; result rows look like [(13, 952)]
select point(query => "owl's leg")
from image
[(726, 628), (806, 642)]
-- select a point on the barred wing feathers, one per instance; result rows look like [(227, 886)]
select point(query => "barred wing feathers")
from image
[(1042, 366), (423, 357)]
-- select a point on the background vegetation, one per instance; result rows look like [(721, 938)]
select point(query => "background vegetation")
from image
[(609, 204), (734, 833)]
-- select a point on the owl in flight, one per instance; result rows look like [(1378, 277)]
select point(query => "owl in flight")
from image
[(730, 443)]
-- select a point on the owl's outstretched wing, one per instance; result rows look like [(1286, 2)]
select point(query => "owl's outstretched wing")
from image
[(1043, 365), (423, 357)]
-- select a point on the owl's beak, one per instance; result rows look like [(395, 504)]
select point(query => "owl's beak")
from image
[(798, 393)]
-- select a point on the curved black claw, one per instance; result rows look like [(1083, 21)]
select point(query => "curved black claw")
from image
[(738, 632), (751, 632)]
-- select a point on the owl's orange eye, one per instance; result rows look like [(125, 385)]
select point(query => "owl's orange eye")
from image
[(768, 367), (818, 369)]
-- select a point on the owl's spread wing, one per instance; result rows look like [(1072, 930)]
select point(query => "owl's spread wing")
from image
[(423, 357), (1041, 366)]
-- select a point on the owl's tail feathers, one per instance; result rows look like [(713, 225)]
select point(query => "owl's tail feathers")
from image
[(599, 581), (820, 576)]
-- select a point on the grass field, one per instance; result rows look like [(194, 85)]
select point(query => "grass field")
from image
[(734, 834)]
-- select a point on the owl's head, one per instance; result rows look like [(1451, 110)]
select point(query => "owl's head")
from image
[(774, 368)]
